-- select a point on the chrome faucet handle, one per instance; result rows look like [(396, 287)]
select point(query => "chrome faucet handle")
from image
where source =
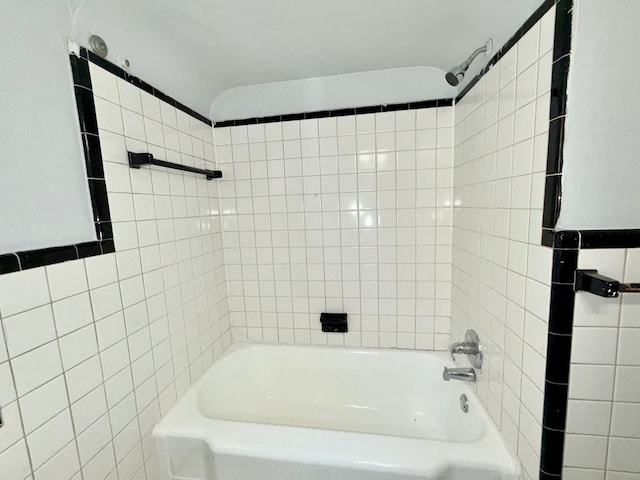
[(470, 347), (466, 348)]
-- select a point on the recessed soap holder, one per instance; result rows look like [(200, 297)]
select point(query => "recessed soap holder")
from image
[(334, 322)]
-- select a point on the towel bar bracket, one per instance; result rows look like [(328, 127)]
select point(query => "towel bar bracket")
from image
[(593, 282)]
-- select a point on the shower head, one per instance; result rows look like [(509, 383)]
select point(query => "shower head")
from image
[(455, 75)]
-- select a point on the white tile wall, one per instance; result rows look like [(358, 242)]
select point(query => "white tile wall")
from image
[(501, 274), (348, 214), (94, 351), (603, 424)]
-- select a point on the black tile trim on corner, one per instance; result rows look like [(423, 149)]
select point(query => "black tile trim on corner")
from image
[(521, 32), (549, 476), (558, 362), (552, 200), (561, 307), (562, 31), (554, 414), (557, 112), (565, 263), (124, 75), (551, 451), (442, 102)]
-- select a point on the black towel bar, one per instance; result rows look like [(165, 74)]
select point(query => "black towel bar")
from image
[(136, 160)]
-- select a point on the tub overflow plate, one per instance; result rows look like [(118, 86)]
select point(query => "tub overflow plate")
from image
[(464, 403)]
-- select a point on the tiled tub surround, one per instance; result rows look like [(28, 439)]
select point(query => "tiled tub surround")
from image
[(94, 351), (501, 275), (603, 415), (341, 214)]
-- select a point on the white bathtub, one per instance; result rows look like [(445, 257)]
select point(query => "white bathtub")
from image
[(275, 412)]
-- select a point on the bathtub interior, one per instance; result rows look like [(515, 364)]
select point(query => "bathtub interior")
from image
[(377, 392)]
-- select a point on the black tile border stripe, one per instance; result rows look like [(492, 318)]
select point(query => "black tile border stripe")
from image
[(521, 32), (9, 263), (610, 238), (83, 89), (342, 112)]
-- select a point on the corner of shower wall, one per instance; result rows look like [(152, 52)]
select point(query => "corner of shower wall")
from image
[(501, 274)]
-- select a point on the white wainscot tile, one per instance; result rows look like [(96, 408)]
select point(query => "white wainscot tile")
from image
[(109, 116), (72, 313), (83, 378), (591, 310), (629, 347), (627, 384), (621, 456), (539, 264), (36, 367), (129, 96), (100, 465), (89, 408), (110, 330), (585, 451), (43, 403), (608, 262), (93, 439), (591, 382), (101, 270), (50, 438), (133, 125), (29, 330), (14, 462), (106, 301), (625, 421), (12, 430), (78, 346), (589, 418), (66, 279), (573, 473), (103, 83), (62, 466), (22, 291), (150, 106), (594, 345)]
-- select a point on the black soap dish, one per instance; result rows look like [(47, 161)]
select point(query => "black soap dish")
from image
[(334, 322)]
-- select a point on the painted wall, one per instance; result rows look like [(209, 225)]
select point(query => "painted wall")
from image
[(397, 85), (342, 214), (219, 45), (603, 416), (600, 173), (44, 198), (94, 351), (501, 275)]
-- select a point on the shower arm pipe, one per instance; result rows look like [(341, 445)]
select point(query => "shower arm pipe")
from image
[(473, 56)]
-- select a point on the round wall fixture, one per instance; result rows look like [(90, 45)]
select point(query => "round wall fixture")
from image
[(98, 46)]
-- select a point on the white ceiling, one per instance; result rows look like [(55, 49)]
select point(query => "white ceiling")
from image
[(197, 49)]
